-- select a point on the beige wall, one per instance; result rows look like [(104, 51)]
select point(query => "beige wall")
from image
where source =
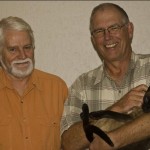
[(62, 37)]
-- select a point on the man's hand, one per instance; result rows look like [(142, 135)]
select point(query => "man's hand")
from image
[(134, 98)]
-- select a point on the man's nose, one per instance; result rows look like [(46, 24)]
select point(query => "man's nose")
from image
[(107, 34), (22, 53)]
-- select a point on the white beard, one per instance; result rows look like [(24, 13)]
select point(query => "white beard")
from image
[(13, 70)]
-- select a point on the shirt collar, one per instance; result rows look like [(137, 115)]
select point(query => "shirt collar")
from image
[(100, 75), (4, 82), (35, 80)]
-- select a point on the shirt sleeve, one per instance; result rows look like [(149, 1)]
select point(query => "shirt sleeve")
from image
[(72, 106)]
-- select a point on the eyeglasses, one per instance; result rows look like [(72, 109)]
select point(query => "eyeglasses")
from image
[(114, 29)]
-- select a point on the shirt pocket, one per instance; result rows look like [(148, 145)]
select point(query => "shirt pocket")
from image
[(52, 122), (46, 131), (5, 131)]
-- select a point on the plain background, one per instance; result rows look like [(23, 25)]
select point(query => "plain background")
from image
[(62, 37)]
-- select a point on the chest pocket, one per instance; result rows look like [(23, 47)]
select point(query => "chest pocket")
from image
[(44, 121), (5, 120), (5, 131), (45, 131)]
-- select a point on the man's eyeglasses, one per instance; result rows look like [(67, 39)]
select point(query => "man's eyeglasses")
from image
[(114, 29)]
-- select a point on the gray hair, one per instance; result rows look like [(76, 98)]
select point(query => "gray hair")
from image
[(14, 23), (108, 5)]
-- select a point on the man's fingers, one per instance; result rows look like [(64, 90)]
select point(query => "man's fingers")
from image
[(142, 88)]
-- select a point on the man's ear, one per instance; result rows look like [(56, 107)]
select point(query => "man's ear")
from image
[(93, 42), (130, 30)]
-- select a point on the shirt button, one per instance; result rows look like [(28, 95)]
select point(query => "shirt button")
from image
[(24, 119)]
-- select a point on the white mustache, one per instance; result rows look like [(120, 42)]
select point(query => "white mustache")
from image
[(22, 61)]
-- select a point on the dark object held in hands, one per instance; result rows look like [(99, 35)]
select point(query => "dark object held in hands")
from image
[(90, 128), (146, 101)]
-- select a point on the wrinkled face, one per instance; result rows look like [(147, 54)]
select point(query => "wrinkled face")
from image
[(113, 46), (18, 54)]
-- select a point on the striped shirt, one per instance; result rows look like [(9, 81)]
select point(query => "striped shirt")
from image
[(99, 91)]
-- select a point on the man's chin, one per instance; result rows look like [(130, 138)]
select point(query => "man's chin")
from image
[(21, 73)]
